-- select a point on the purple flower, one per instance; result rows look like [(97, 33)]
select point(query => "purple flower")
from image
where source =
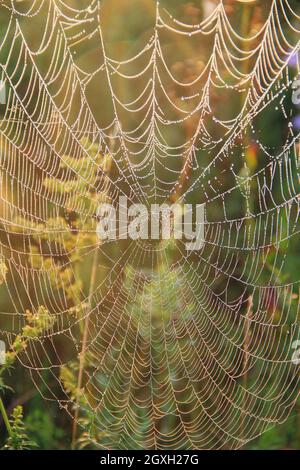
[(296, 122), (293, 60)]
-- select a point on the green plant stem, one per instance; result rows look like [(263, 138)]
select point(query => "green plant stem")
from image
[(83, 350), (5, 418), (245, 27)]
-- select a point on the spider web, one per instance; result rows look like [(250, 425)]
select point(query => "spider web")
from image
[(170, 349)]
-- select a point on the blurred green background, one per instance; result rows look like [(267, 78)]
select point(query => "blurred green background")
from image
[(127, 25)]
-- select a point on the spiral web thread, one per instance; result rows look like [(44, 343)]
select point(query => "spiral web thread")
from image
[(196, 350)]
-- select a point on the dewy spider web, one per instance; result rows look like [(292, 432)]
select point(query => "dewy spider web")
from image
[(169, 349)]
